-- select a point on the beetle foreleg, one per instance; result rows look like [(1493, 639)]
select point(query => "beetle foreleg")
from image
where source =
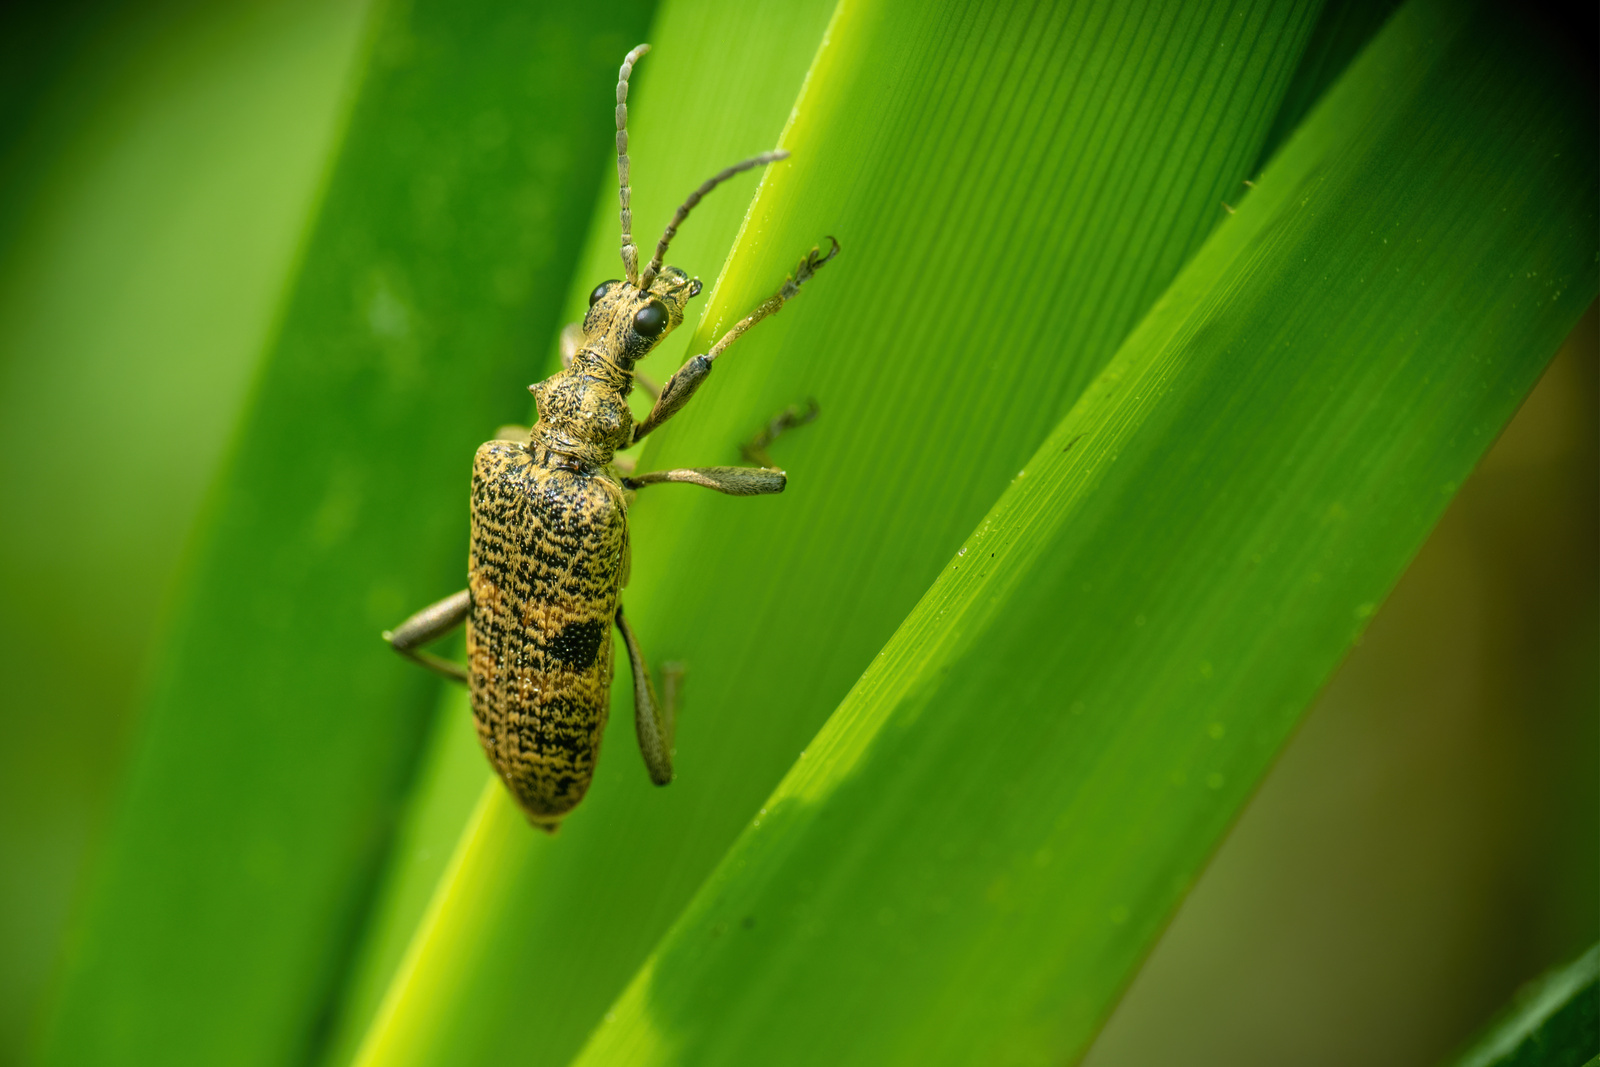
[(654, 722), (429, 624), (676, 393), (571, 338), (807, 269), (682, 385)]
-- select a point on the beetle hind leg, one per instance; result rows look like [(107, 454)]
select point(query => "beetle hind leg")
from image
[(430, 624), (654, 721)]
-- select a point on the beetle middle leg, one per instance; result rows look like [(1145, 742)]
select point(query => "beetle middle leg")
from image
[(430, 624), (655, 722), (735, 481), (755, 449)]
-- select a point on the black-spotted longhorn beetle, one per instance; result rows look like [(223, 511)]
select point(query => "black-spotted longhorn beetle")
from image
[(549, 544)]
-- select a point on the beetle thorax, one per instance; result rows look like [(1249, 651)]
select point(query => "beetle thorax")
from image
[(583, 411)]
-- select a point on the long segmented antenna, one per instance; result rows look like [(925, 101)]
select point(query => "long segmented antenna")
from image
[(695, 197), (630, 254)]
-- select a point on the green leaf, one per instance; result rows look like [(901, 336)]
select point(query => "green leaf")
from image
[(443, 799), (1342, 31), (157, 162), (987, 835), (282, 733), (1555, 1022), (751, 59), (1012, 187)]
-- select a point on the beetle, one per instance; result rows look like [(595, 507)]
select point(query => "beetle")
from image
[(549, 538)]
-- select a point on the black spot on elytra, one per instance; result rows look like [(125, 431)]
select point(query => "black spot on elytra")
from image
[(578, 644)]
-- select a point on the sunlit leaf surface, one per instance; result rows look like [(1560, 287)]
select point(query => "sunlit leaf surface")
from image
[(1012, 186), (984, 839)]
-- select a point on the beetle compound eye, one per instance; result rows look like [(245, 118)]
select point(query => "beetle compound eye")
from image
[(650, 320), (599, 291)]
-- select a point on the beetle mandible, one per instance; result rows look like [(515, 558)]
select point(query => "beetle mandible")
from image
[(549, 544)]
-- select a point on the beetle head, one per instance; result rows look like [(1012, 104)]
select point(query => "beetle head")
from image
[(626, 322)]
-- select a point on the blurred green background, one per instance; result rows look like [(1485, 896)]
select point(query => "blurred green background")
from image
[(159, 163), (1425, 844)]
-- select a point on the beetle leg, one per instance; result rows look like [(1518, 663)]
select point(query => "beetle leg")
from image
[(654, 722), (676, 393), (648, 384), (682, 385), (571, 338), (431, 623), (512, 432), (755, 449), (735, 481)]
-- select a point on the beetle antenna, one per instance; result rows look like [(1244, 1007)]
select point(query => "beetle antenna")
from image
[(695, 197), (630, 254)]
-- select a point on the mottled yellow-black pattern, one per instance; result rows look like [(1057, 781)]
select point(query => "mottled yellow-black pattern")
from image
[(544, 572), (548, 560)]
